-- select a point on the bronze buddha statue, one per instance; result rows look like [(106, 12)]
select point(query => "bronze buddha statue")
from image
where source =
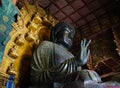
[(52, 63)]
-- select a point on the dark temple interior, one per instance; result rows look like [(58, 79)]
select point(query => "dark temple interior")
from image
[(98, 20)]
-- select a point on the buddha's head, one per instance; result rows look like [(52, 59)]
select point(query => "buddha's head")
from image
[(63, 34)]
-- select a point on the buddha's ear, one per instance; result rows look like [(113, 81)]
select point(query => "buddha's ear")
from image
[(54, 40), (52, 37)]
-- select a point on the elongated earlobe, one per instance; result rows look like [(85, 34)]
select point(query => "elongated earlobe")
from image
[(55, 40)]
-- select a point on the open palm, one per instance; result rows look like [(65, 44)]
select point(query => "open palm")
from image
[(84, 55)]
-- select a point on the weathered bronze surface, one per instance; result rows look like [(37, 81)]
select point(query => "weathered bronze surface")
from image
[(53, 63)]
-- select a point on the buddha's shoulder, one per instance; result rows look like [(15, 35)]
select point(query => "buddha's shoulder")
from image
[(49, 44), (46, 44)]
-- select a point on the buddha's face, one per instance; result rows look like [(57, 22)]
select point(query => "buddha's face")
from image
[(65, 37)]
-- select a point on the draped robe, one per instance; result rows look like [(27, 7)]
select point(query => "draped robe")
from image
[(51, 63)]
